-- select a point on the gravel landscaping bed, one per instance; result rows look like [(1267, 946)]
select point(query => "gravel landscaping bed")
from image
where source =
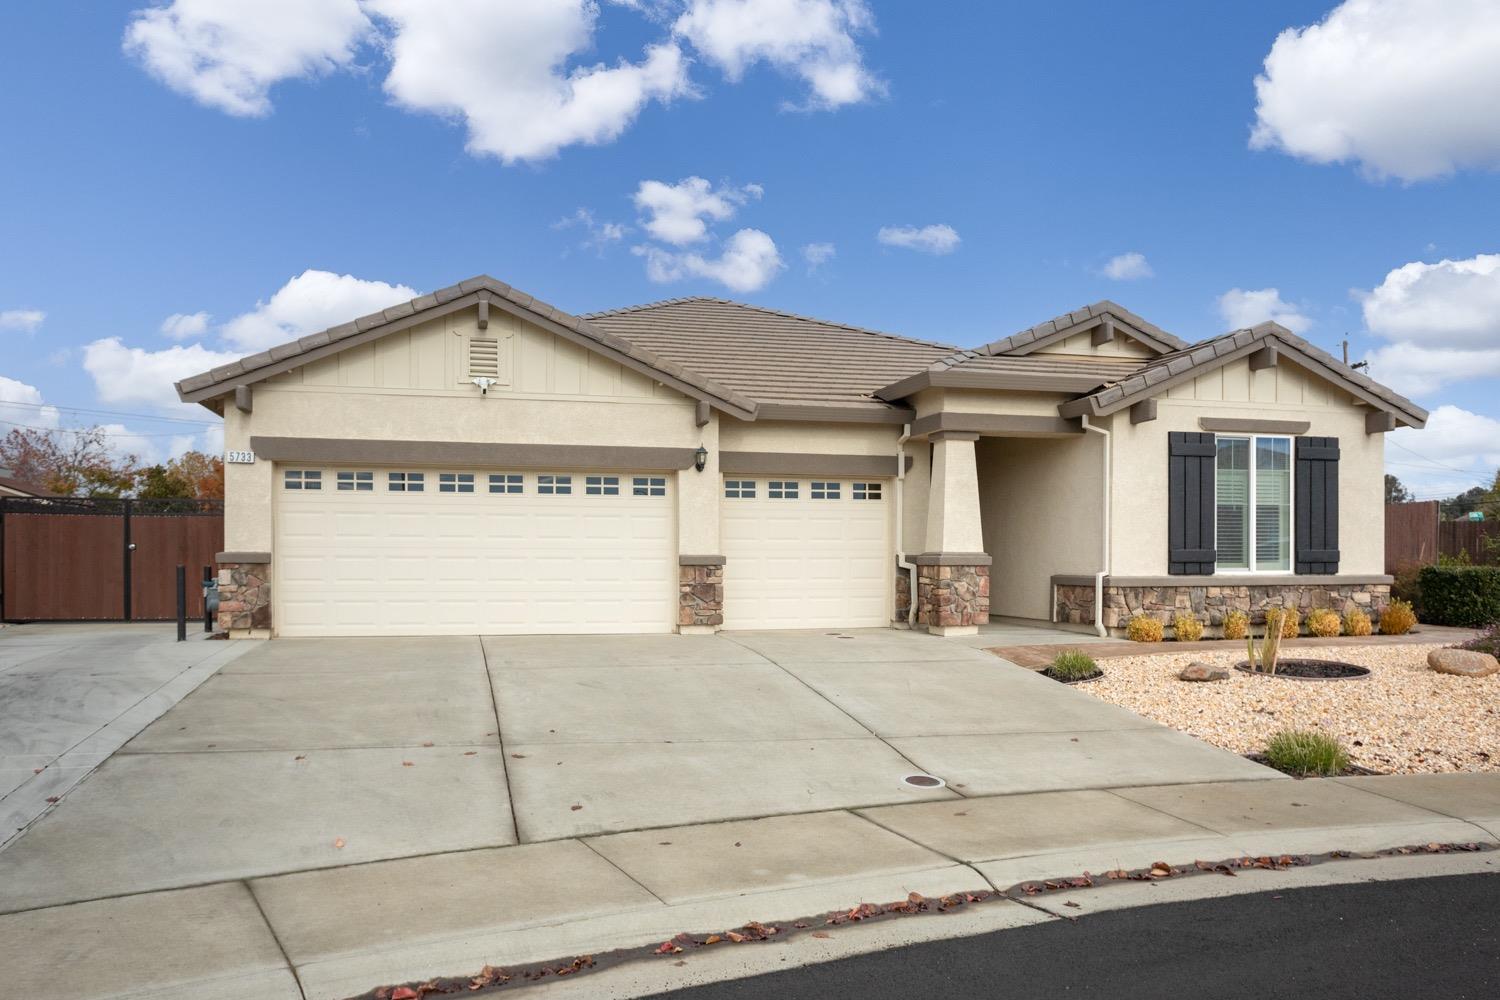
[(1403, 718)]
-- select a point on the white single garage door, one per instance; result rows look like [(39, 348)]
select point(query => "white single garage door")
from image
[(434, 552), (806, 553)]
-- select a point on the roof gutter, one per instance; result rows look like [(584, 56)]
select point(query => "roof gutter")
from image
[(901, 560)]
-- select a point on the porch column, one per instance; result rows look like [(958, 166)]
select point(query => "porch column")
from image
[(953, 575)]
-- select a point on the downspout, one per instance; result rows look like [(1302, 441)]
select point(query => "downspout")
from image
[(1104, 556), (909, 567)]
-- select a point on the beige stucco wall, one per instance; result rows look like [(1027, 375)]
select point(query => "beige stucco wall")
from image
[(1082, 345), (1041, 504), (1285, 392)]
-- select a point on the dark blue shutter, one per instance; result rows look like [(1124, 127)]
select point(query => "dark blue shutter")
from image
[(1317, 505), (1190, 504)]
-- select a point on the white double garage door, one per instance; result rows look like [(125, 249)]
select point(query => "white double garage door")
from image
[(363, 551)]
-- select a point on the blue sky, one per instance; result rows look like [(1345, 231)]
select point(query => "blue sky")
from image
[(174, 160)]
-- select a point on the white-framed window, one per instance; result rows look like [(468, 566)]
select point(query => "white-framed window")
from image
[(554, 485), (405, 482), (778, 489), (652, 486), (601, 486), (303, 479), (1253, 503), (455, 482), (506, 482), (866, 491), (739, 489), (826, 491), (362, 482)]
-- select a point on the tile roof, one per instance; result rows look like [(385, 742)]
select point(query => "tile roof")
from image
[(1217, 351), (770, 356), (257, 366), (1078, 320)]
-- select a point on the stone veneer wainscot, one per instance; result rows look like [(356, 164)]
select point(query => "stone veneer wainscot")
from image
[(700, 591), (244, 593), (1213, 598), (953, 594)]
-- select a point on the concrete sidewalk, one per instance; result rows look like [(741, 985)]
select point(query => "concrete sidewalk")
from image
[(338, 932), (73, 694)]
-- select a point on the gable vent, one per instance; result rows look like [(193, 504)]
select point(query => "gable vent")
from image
[(484, 358)]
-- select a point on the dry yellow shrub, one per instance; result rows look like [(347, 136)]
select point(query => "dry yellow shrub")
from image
[(1144, 628)]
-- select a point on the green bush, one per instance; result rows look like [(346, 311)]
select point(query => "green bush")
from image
[(1072, 665), (1407, 584), (1466, 596), (1303, 753)]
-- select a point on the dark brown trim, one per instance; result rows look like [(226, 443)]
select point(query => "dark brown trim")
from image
[(244, 398), (740, 463), (1379, 422), (1224, 580), (953, 436), (952, 559), (962, 377), (1143, 411), (1092, 322), (700, 560), (484, 311), (995, 425), (1264, 358), (833, 414), (242, 557), (344, 451), (1231, 424), (701, 413), (1104, 333)]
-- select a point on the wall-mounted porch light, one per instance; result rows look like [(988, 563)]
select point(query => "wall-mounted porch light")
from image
[(700, 458)]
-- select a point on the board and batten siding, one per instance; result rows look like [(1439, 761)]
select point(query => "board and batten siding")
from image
[(1140, 468)]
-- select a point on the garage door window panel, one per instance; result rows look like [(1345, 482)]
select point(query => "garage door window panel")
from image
[(356, 482), (601, 486), (506, 483), (455, 482), (866, 491), (554, 485), (739, 489), (826, 491), (405, 482), (782, 489), (303, 479), (648, 486)]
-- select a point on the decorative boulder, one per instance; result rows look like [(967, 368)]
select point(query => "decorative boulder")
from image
[(1463, 662), (1198, 671)]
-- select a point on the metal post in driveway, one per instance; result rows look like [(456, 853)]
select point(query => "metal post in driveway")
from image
[(181, 603), (208, 584)]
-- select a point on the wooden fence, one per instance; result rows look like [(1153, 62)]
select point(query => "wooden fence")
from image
[(1415, 534), (104, 560)]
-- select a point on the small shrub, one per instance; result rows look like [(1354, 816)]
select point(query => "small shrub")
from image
[(1357, 622), (1397, 618), (1186, 627), (1466, 596), (1304, 753), (1143, 628), (1324, 622), (1236, 625), (1291, 622), (1072, 665), (1487, 641)]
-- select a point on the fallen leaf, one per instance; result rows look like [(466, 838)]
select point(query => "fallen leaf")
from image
[(821, 934), (736, 938), (737, 843), (405, 993), (712, 939), (1072, 904), (300, 756), (339, 843), (407, 763), (470, 753), (520, 756), (575, 807), (52, 798), (427, 743), (36, 770), (667, 948)]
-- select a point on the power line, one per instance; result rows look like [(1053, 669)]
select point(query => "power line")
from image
[(1440, 465), (109, 413)]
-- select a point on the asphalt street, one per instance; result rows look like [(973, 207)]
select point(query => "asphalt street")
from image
[(1433, 938)]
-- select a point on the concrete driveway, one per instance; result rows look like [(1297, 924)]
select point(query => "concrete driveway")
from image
[(317, 753)]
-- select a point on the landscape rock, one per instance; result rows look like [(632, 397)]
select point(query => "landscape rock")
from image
[(1199, 671), (1463, 662)]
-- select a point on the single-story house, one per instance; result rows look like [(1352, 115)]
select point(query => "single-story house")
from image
[(476, 460), (10, 486)]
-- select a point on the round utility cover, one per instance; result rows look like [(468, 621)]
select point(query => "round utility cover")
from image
[(923, 781)]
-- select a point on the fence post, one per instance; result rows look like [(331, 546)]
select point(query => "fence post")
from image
[(181, 603), (129, 550)]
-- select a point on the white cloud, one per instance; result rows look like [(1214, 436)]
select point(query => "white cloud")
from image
[(679, 213), (810, 39), (597, 235), (1453, 303), (312, 301), (185, 326), (1443, 321), (229, 55), (28, 406), (818, 254), (938, 239), (1243, 308), (503, 70), (749, 261), (22, 320), (1128, 267), (133, 376), (1456, 450), (1404, 88)]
